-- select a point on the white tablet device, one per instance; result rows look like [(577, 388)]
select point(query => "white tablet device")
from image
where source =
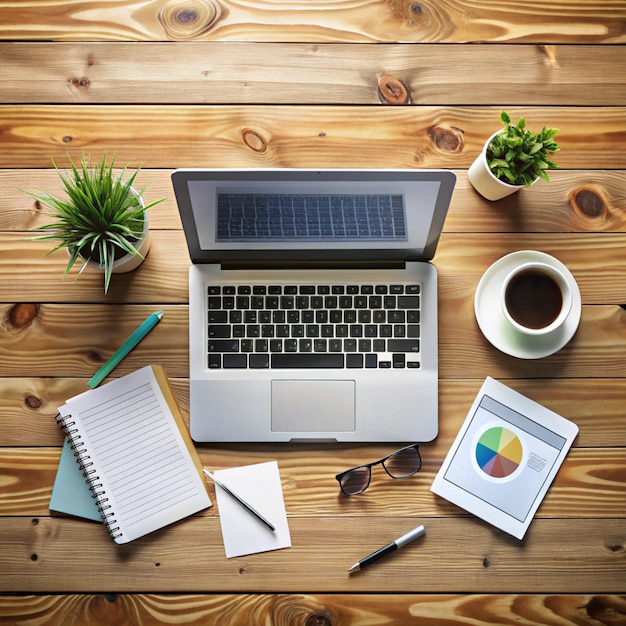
[(504, 458)]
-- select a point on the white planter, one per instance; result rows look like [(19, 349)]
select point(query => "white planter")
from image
[(483, 180), (129, 262)]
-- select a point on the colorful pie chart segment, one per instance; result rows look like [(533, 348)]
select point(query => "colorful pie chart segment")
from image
[(499, 452)]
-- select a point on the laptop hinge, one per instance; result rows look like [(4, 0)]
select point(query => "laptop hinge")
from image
[(294, 264)]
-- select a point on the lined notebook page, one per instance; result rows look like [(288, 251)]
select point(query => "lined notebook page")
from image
[(139, 453)]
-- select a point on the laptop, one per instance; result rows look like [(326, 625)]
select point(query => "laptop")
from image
[(312, 303)]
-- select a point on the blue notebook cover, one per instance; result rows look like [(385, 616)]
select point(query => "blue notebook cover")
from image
[(70, 493)]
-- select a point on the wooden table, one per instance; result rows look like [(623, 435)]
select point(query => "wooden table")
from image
[(219, 83)]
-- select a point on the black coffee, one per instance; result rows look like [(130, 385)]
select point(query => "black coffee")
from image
[(533, 299)]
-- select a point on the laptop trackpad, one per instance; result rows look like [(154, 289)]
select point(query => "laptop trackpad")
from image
[(313, 406)]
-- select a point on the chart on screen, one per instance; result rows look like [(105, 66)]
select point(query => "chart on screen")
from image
[(499, 452)]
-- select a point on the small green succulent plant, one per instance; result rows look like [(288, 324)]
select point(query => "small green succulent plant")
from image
[(517, 156)]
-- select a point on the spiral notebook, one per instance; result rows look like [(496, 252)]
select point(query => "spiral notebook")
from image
[(135, 453), (70, 493)]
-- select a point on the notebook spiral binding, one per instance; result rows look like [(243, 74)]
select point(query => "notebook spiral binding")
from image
[(92, 480)]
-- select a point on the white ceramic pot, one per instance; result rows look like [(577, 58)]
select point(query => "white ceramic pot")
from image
[(129, 262), (483, 180)]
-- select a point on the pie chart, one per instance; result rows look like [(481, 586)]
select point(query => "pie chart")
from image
[(499, 452)]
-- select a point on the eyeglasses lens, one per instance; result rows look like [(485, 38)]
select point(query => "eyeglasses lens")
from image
[(403, 463), (355, 481)]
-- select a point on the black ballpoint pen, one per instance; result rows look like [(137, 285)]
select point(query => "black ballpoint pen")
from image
[(388, 549), (241, 501)]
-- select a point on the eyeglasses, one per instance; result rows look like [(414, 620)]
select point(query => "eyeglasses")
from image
[(401, 464)]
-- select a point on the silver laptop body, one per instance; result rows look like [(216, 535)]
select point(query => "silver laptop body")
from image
[(363, 237)]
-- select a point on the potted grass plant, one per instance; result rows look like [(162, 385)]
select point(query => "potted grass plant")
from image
[(102, 220), (513, 158)]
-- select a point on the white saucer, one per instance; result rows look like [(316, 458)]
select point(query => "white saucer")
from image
[(499, 331)]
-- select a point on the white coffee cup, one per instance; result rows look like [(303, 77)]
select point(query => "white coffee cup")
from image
[(536, 298)]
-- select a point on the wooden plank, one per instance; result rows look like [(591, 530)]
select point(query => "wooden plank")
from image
[(28, 407), (583, 21), (324, 609), (267, 73), (590, 484), (573, 201), (459, 554), (598, 263), (80, 339), (304, 136), (68, 346), (597, 348), (19, 211), (164, 272), (74, 340), (345, 609)]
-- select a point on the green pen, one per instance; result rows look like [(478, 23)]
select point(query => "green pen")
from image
[(150, 322)]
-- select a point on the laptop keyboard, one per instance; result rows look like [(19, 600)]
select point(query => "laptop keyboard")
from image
[(314, 326)]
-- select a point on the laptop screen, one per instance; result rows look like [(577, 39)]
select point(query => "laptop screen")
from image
[(307, 215)]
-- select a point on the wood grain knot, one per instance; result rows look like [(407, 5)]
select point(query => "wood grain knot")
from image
[(22, 314), (80, 83), (317, 620), (33, 402), (451, 140), (587, 202), (606, 609), (253, 140), (392, 90), (188, 19), (94, 356)]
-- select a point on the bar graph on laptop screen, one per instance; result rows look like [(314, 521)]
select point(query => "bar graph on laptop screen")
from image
[(246, 217)]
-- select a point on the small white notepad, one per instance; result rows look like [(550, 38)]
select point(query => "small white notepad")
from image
[(136, 454), (259, 485)]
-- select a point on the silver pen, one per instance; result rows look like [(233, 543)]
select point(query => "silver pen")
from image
[(388, 549), (239, 499)]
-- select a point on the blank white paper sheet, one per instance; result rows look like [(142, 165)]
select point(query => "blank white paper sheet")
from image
[(259, 485)]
